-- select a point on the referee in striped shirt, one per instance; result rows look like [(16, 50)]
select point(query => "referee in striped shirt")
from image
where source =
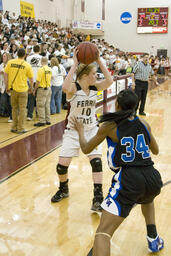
[(140, 76)]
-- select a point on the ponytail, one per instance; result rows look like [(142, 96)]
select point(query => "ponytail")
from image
[(127, 100), (117, 117)]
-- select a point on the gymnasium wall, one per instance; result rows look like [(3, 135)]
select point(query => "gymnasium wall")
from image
[(124, 36)]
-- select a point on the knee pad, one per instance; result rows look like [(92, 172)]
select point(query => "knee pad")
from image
[(96, 164), (61, 169)]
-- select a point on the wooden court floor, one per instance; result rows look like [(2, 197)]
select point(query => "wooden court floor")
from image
[(31, 226)]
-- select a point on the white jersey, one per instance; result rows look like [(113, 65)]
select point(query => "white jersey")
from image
[(35, 61), (83, 107)]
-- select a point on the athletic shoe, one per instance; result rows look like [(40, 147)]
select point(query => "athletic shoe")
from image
[(142, 113), (39, 124), (48, 123), (96, 204), (60, 194), (21, 132), (29, 118), (14, 130), (155, 245), (9, 120), (97, 200)]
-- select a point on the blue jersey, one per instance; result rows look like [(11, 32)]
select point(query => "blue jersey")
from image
[(132, 149)]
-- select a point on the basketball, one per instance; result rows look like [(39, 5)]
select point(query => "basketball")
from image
[(87, 52)]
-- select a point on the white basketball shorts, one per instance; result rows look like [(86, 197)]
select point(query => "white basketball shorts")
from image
[(71, 146)]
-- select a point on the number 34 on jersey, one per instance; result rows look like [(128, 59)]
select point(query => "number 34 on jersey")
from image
[(131, 146)]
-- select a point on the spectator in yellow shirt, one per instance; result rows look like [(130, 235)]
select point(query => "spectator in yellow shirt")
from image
[(43, 83), (87, 38), (17, 71)]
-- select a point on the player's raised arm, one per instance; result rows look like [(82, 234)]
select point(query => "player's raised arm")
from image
[(104, 84), (68, 85)]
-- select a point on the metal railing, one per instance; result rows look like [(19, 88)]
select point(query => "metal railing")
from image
[(119, 83)]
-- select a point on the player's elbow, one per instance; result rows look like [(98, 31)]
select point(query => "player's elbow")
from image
[(155, 150), (65, 88), (154, 146), (110, 81), (85, 150)]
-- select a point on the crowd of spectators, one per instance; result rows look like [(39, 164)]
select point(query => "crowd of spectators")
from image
[(22, 32)]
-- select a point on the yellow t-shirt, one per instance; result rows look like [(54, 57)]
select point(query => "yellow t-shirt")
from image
[(44, 75), (24, 71), (87, 38)]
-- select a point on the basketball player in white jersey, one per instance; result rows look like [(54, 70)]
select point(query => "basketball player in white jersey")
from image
[(82, 96), (35, 61)]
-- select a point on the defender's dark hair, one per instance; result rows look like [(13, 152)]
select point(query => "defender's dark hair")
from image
[(127, 100)]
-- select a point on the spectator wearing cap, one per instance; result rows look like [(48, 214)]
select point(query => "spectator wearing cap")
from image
[(17, 71)]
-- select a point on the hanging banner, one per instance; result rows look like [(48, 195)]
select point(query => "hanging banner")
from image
[(27, 9), (86, 25), (83, 5), (103, 10), (1, 5)]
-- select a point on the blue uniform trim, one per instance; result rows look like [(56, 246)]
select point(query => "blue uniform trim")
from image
[(136, 117), (114, 198), (112, 144), (113, 155), (133, 119), (117, 203), (117, 133)]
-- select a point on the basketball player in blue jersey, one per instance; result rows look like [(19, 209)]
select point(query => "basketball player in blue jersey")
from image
[(135, 181), (81, 96)]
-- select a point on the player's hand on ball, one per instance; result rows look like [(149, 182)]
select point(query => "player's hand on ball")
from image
[(75, 56), (98, 59)]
